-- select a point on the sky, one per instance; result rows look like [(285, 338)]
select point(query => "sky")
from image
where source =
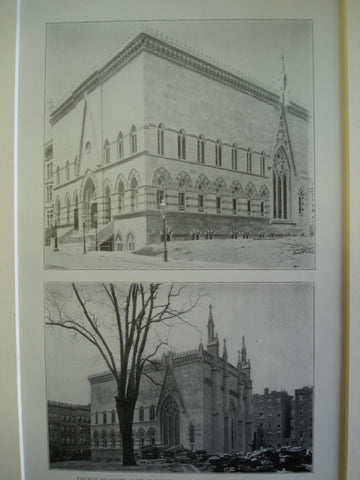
[(275, 319), (253, 47)]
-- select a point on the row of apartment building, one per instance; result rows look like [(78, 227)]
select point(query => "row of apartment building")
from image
[(281, 419)]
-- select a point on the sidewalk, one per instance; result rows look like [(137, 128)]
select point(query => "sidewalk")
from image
[(279, 253)]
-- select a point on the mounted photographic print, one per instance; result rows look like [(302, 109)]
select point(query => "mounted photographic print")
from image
[(192, 378), (179, 144)]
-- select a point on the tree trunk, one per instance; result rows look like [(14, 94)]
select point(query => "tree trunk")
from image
[(125, 415)]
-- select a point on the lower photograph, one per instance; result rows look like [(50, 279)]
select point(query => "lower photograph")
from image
[(180, 377)]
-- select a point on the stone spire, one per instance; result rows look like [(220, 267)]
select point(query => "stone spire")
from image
[(213, 340), (225, 355), (211, 326), (284, 91), (243, 351)]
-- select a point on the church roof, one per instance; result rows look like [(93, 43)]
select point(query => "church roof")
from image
[(179, 54)]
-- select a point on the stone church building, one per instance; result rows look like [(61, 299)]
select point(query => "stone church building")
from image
[(159, 122), (195, 398)]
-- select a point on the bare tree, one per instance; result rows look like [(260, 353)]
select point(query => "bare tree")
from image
[(132, 312)]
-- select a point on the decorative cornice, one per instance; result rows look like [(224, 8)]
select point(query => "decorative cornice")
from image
[(180, 56)]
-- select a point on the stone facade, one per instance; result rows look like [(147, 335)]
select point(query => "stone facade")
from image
[(198, 391), (157, 122)]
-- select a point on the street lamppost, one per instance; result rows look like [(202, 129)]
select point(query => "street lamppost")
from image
[(56, 248), (163, 213), (83, 216), (96, 229)]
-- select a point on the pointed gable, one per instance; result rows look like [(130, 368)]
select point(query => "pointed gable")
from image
[(282, 138)]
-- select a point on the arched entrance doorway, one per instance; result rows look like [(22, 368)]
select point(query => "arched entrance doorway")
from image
[(170, 424), (281, 184), (89, 203)]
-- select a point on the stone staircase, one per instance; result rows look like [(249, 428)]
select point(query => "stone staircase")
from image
[(105, 233)]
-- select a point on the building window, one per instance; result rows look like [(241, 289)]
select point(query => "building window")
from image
[(262, 208), (133, 140), (96, 418), (218, 204), (49, 193), (104, 418), (121, 193), (112, 439), (67, 210), (119, 244), (262, 164), (201, 149), (182, 145), (106, 152), (113, 417), (141, 414), (201, 202), (181, 201), (107, 205), (249, 161), (133, 194), (131, 242), (160, 139), (49, 169), (104, 439), (160, 195), (152, 413), (234, 157), (249, 207), (57, 176), (218, 154), (280, 184), (234, 206), (170, 421), (120, 146)]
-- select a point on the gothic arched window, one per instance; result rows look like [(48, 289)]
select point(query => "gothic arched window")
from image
[(262, 164), (112, 439), (218, 153), (280, 185), (120, 146), (133, 193), (201, 149), (141, 414), (107, 205), (182, 145), (121, 193), (133, 140), (170, 424), (96, 439), (67, 210), (249, 161), (160, 139), (234, 157), (152, 413)]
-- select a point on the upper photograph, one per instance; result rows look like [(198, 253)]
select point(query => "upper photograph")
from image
[(179, 145)]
